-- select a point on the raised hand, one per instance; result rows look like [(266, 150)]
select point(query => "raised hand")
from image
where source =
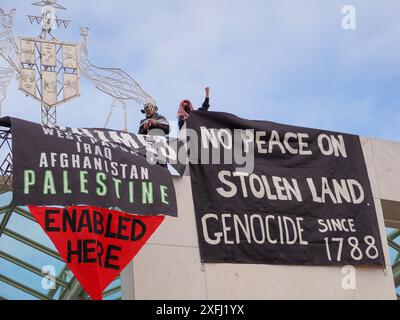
[(207, 92)]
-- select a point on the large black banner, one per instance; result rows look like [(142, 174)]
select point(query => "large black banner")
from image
[(95, 167), (267, 193)]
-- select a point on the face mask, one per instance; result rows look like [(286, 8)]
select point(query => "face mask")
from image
[(149, 111)]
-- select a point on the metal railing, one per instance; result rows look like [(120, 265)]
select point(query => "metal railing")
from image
[(393, 241)]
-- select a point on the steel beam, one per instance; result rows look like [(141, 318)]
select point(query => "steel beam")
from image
[(394, 245), (5, 220), (396, 274), (394, 234), (24, 288), (62, 276), (49, 116), (29, 267), (112, 291), (4, 209), (75, 291), (24, 214), (32, 244)]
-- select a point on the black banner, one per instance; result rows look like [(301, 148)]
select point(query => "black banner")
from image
[(267, 193), (94, 167)]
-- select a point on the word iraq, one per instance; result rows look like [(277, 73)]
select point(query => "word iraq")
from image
[(126, 142)]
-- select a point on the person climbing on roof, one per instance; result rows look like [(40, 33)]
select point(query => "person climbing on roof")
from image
[(186, 108), (154, 124)]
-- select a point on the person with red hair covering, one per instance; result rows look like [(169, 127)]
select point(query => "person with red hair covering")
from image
[(186, 108)]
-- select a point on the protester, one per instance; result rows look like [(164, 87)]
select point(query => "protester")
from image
[(186, 108), (154, 124)]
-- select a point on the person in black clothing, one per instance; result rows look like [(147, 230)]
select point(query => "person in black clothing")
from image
[(186, 107), (154, 124)]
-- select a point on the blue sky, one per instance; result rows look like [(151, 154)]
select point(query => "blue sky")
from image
[(279, 60), (284, 61)]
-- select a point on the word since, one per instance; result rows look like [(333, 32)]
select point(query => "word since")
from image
[(337, 225)]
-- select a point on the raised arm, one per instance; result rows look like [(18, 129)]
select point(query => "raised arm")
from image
[(206, 104)]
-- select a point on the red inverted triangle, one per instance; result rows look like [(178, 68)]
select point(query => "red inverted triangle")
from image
[(97, 244)]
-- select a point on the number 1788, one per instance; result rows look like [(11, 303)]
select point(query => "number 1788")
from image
[(356, 253)]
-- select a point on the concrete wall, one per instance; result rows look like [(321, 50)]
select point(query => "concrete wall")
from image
[(383, 163), (169, 266)]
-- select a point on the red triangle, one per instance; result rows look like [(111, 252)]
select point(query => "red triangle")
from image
[(97, 244)]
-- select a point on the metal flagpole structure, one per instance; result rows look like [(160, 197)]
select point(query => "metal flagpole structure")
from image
[(114, 82), (8, 51), (48, 70)]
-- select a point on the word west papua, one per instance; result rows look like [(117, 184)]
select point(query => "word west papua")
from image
[(123, 141)]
